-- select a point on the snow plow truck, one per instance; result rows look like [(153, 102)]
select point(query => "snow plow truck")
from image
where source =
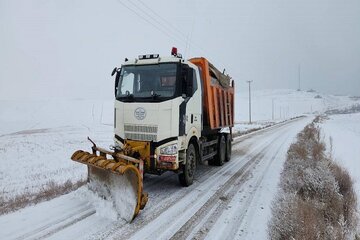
[(170, 114)]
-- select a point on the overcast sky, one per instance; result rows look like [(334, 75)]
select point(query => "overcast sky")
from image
[(67, 49)]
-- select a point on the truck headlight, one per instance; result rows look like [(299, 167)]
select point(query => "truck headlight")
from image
[(169, 150)]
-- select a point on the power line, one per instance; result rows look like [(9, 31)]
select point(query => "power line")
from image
[(142, 17), (163, 19), (163, 28), (169, 26), (153, 18), (191, 33)]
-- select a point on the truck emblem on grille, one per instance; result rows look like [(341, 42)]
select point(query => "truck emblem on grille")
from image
[(140, 113)]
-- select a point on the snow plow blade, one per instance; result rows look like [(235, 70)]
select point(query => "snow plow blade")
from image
[(109, 176)]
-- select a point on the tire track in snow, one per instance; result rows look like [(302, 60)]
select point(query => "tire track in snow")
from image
[(58, 224), (233, 223), (238, 178), (247, 207), (205, 229), (220, 200), (68, 223)]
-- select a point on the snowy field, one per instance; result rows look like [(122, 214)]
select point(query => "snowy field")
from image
[(38, 138), (18, 116), (345, 133)]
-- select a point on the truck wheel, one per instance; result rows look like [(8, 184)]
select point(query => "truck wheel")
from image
[(211, 162), (228, 148), (186, 178), (221, 151)]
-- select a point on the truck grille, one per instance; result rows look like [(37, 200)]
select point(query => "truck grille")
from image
[(140, 128), (141, 132)]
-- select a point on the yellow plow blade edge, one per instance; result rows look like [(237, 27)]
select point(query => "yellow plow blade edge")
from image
[(116, 177)]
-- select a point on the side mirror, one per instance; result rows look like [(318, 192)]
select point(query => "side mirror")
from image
[(117, 78), (114, 71)]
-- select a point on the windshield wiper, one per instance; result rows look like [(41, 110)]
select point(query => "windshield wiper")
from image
[(154, 95), (128, 97)]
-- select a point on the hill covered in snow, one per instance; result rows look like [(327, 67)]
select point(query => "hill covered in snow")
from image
[(275, 105)]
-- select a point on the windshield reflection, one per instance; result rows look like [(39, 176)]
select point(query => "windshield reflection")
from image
[(147, 81)]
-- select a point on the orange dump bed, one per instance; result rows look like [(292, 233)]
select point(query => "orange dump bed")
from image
[(218, 100)]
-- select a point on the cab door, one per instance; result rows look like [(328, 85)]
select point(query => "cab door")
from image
[(194, 105)]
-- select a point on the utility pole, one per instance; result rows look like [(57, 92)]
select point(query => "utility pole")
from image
[(249, 82), (299, 76), (272, 108)]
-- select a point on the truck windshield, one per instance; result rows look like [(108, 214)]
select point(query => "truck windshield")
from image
[(151, 82)]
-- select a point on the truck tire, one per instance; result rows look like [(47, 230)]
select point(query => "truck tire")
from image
[(221, 151), (186, 178), (228, 148)]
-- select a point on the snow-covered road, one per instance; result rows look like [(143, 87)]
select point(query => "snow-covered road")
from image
[(228, 202)]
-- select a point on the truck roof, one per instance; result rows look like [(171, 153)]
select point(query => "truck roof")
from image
[(160, 59)]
